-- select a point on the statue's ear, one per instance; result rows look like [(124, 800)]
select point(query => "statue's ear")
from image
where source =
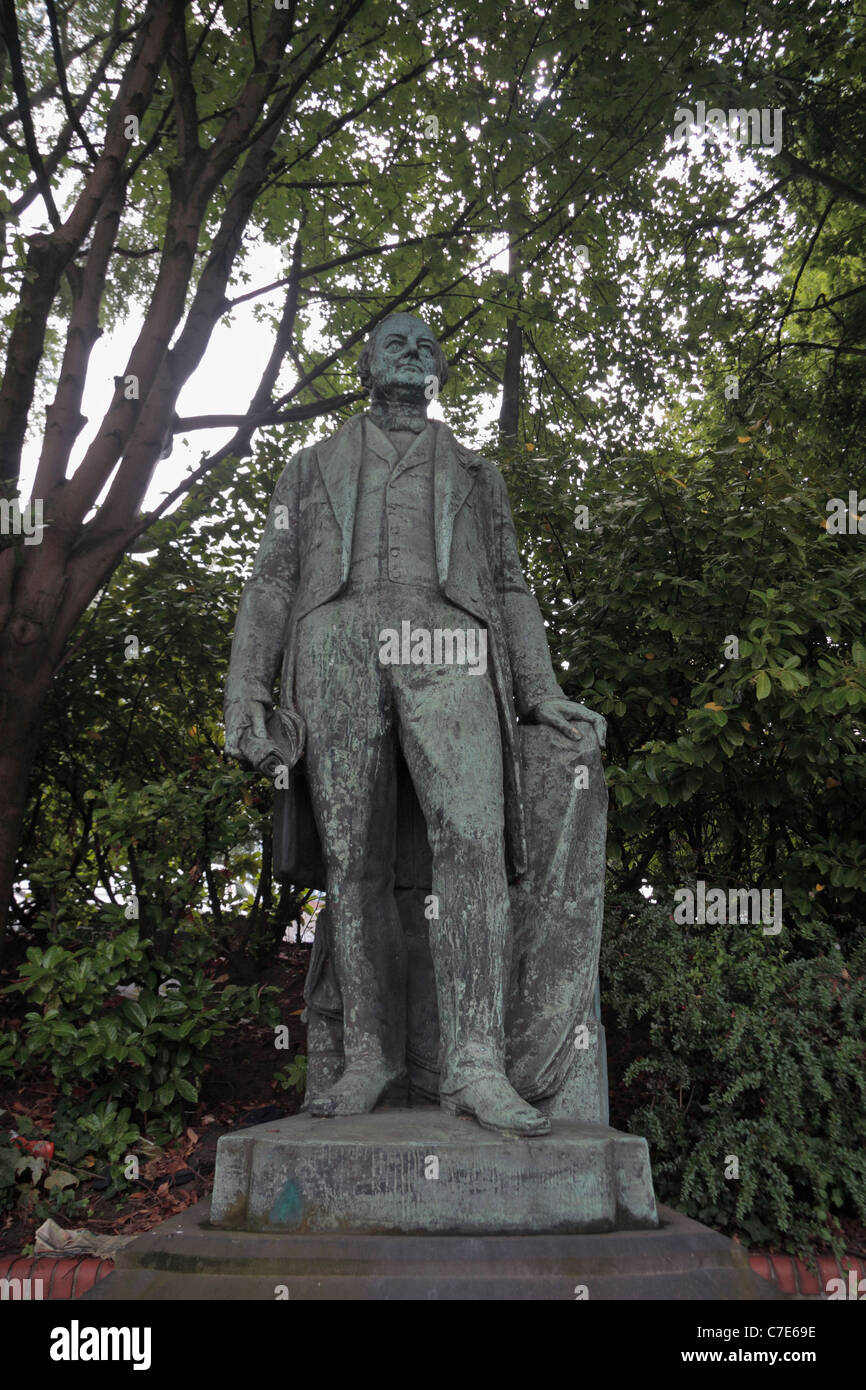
[(443, 367), (363, 366)]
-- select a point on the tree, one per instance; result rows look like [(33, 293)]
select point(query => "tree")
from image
[(380, 150), (178, 136), (213, 114)]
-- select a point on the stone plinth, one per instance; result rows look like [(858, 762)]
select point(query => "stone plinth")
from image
[(419, 1170), (187, 1259)]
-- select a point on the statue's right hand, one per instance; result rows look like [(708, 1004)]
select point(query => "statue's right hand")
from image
[(255, 746)]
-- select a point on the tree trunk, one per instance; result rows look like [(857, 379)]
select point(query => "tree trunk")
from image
[(509, 414), (36, 620), (26, 671)]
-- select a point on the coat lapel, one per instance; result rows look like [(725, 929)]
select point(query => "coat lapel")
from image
[(378, 441), (340, 466), (451, 486)]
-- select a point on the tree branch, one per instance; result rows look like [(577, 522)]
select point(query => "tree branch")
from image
[(12, 40), (189, 151), (49, 255), (49, 89), (835, 185), (140, 419), (52, 160), (64, 421), (64, 88), (802, 266)]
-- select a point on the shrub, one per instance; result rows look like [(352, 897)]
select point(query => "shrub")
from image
[(740, 1050), (121, 1056)]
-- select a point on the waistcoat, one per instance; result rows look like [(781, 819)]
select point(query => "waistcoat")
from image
[(393, 541)]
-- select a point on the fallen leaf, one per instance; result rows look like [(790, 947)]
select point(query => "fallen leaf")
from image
[(60, 1179), (36, 1167)]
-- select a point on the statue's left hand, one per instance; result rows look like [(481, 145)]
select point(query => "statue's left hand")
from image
[(567, 716)]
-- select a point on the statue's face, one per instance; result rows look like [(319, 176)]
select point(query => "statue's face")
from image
[(404, 357)]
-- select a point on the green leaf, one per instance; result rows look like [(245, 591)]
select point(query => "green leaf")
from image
[(134, 1011)]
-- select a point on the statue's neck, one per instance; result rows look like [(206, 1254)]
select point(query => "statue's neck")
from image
[(398, 415)]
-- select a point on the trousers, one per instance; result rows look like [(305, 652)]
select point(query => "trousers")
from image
[(443, 715)]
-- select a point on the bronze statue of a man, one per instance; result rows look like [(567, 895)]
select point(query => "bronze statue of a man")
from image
[(387, 546)]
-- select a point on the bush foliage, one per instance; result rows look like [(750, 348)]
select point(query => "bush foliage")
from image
[(746, 1071)]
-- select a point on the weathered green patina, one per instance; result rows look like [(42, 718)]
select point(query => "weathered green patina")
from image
[(388, 587)]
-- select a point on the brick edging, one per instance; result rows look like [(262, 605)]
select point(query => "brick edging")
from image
[(61, 1276), (70, 1276), (792, 1275)]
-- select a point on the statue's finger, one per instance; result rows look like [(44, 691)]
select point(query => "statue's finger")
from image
[(257, 719), (571, 730)]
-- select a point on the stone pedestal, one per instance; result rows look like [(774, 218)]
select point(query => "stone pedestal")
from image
[(419, 1170), (186, 1259)]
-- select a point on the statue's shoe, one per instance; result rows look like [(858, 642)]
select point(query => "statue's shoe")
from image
[(356, 1093), (495, 1104)]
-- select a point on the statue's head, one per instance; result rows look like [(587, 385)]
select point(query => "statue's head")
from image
[(399, 358)]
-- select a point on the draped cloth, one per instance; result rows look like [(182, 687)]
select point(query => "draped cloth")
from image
[(554, 1041)]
